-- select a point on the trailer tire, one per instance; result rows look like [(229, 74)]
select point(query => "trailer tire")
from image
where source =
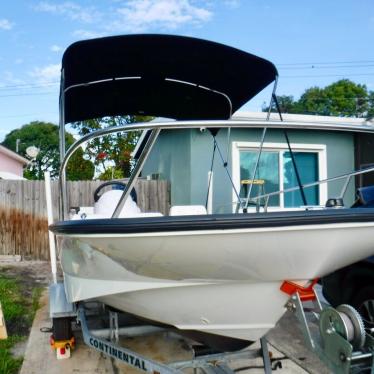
[(364, 303)]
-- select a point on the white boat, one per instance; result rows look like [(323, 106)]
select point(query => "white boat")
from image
[(217, 278)]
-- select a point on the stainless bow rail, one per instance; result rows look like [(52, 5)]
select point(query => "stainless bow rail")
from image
[(347, 177), (156, 127)]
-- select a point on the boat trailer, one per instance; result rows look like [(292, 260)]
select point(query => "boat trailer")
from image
[(211, 363), (342, 342), (105, 341)]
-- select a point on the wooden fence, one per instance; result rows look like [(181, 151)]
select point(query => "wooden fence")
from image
[(23, 212)]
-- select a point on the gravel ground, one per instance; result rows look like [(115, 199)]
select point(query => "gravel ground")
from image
[(29, 273)]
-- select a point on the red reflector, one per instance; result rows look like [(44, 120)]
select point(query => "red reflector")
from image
[(62, 351), (305, 293)]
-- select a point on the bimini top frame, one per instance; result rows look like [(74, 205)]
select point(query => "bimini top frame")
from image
[(169, 76)]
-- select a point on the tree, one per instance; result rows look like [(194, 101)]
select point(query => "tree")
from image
[(286, 104), (343, 98), (78, 168), (111, 153), (45, 136), (370, 114)]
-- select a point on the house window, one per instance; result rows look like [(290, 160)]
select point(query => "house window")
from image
[(307, 166), (268, 172), (276, 172)]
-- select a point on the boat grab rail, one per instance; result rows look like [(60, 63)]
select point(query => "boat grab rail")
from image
[(179, 125), (346, 176), (175, 125)]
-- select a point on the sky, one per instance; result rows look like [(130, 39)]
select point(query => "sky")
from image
[(312, 43)]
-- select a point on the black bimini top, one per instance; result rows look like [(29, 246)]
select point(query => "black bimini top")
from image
[(212, 222), (159, 75)]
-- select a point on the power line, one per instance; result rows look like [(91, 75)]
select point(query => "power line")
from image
[(328, 67), (327, 75), (371, 62), (327, 99), (326, 63), (49, 84), (28, 86), (29, 94)]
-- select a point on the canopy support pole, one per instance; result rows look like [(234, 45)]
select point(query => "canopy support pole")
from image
[(260, 149), (52, 244), (138, 168), (224, 163), (62, 179), (210, 175), (291, 153)]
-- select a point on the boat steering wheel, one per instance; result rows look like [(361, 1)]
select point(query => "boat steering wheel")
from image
[(96, 195)]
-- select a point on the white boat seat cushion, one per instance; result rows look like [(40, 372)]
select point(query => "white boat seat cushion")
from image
[(108, 201), (105, 206), (187, 210)]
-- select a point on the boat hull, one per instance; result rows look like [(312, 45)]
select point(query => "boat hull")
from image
[(224, 282)]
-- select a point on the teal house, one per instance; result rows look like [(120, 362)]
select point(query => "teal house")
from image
[(185, 158)]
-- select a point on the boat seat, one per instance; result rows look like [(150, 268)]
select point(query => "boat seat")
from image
[(187, 210), (108, 201), (365, 197)]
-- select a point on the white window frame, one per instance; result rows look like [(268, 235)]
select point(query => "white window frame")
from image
[(320, 149)]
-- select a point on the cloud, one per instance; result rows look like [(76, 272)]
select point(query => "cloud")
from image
[(71, 10), (142, 15), (46, 74), (232, 3), (131, 15), (88, 34), (5, 24), (55, 48)]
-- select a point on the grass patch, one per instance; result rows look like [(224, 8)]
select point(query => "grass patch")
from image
[(11, 298), (35, 297), (8, 363), (19, 302)]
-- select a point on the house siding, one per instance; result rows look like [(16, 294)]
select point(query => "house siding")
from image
[(186, 159), (10, 165), (170, 159)]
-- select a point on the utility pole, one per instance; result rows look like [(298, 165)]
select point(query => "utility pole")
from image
[(17, 144)]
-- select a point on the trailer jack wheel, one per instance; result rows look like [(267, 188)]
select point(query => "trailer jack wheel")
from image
[(62, 339)]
